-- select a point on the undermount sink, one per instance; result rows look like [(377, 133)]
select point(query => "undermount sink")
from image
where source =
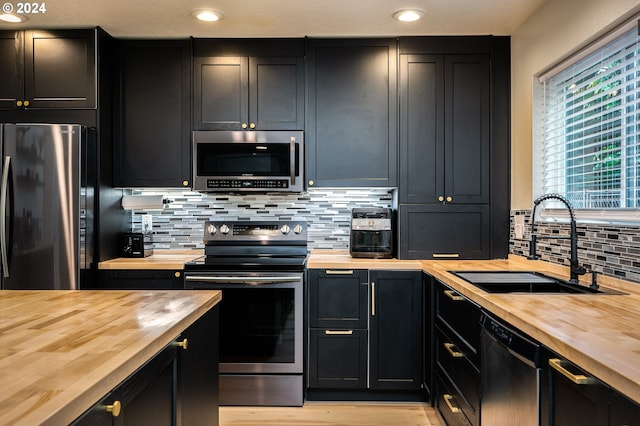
[(524, 282)]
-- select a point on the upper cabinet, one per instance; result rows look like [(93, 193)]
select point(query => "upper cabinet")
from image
[(238, 86), (351, 131), (48, 69), (152, 143), (444, 132)]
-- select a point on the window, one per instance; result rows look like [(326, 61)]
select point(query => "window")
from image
[(589, 131)]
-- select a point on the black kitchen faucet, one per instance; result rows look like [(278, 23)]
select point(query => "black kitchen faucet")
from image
[(575, 268)]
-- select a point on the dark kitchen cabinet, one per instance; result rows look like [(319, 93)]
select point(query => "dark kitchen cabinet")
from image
[(439, 231), (351, 131), (365, 330), (571, 387), (457, 345), (153, 121), (623, 410), (179, 385), (338, 328), (48, 69), (395, 330), (453, 147), (136, 279), (246, 93)]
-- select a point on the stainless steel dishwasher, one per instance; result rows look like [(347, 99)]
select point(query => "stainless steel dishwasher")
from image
[(511, 370)]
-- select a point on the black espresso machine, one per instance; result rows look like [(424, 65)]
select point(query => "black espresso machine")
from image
[(371, 233)]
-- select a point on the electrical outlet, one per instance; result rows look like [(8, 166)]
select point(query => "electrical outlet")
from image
[(147, 224), (519, 226)]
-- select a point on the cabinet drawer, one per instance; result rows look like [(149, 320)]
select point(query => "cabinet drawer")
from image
[(338, 298), (453, 358), (459, 314), (449, 403), (338, 359)]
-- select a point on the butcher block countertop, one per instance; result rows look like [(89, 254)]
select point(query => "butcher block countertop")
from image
[(160, 259), (600, 333), (61, 351)]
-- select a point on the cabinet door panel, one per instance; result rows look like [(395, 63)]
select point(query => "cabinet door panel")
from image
[(396, 330), (338, 298), (60, 69), (221, 93), (11, 68), (338, 360), (276, 93), (467, 126), (352, 123), (430, 231), (421, 128), (154, 145)]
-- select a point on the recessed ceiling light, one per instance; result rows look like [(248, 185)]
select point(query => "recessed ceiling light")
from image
[(10, 17), (207, 15), (408, 15)]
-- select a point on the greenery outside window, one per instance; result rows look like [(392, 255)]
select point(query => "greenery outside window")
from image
[(587, 130)]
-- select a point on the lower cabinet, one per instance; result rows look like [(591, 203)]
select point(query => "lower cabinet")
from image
[(179, 385), (365, 330), (623, 410)]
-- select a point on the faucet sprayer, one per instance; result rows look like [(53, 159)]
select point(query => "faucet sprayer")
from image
[(575, 268)]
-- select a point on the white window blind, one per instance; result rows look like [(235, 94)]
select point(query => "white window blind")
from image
[(591, 128)]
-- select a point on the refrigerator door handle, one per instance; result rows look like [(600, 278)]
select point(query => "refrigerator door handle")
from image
[(3, 215)]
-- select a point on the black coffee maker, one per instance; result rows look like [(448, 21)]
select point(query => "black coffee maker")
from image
[(371, 233)]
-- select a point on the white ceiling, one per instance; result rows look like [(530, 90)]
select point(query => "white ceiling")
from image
[(282, 18)]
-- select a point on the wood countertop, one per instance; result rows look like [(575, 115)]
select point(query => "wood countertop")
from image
[(159, 260), (599, 333), (61, 351)]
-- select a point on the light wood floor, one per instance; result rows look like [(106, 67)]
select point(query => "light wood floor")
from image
[(331, 414)]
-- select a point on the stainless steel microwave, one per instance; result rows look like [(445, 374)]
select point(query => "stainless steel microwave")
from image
[(254, 161)]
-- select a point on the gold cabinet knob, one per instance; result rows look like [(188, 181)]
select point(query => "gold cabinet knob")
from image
[(185, 183), (441, 198), (244, 125), (19, 103), (449, 199), (311, 183), (252, 125), (177, 274), (114, 408), (26, 103), (184, 344)]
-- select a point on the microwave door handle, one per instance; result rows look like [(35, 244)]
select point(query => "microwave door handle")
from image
[(292, 154)]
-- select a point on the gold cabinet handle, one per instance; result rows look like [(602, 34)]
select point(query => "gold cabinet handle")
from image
[(373, 299), (185, 183), (244, 125), (184, 344), (311, 183), (453, 351), (252, 125), (114, 408), (441, 198), (453, 295), (338, 332), (19, 103), (449, 199), (445, 255), (339, 271), (177, 274), (578, 379), (448, 399)]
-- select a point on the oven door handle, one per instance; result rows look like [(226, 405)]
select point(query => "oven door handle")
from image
[(292, 159), (241, 280)]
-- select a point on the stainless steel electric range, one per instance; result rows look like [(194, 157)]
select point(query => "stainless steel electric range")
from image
[(259, 266)]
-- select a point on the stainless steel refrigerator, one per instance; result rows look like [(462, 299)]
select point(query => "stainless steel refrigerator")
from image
[(47, 194)]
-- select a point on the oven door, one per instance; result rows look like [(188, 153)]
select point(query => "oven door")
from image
[(260, 320)]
